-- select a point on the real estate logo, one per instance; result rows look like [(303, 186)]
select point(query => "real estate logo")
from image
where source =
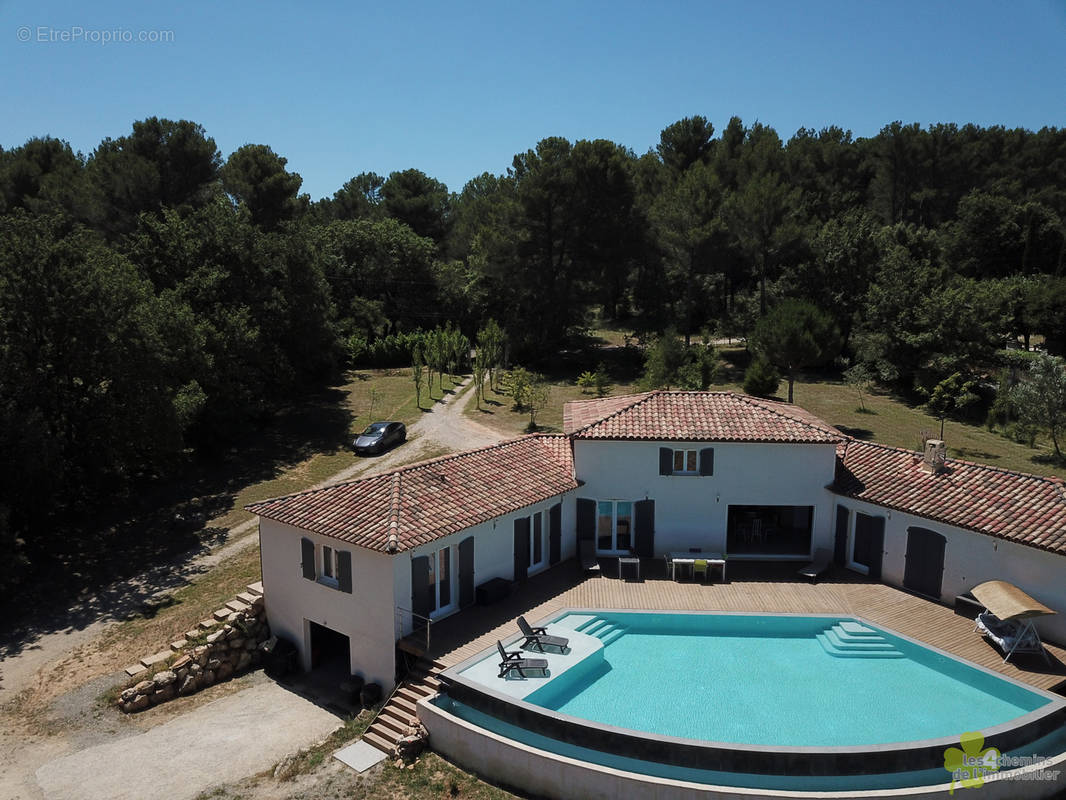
[(973, 763)]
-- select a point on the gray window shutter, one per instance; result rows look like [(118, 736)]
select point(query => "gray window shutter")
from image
[(555, 533), (521, 548), (644, 538), (307, 556), (666, 461), (344, 571), (707, 461), (586, 519), (421, 603)]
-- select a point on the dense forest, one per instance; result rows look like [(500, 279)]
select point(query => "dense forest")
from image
[(157, 302)]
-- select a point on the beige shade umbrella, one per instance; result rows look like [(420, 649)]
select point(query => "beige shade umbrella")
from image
[(1008, 602)]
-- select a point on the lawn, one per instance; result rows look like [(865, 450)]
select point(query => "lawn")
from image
[(886, 418), (365, 397)]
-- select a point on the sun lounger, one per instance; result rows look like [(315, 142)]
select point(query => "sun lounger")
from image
[(516, 663), (1012, 637), (822, 559), (537, 638)]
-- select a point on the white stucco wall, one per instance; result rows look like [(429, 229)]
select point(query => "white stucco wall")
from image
[(493, 550), (972, 558), (365, 616), (693, 511)]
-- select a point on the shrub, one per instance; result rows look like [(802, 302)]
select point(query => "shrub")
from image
[(761, 378)]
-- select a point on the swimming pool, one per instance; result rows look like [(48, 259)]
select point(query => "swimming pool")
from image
[(744, 694), (775, 680)]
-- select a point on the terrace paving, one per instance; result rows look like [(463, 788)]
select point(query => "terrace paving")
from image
[(754, 587)]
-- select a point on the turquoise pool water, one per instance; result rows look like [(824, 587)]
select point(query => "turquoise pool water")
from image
[(775, 680)]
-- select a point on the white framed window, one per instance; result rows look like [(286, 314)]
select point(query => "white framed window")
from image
[(685, 462), (328, 572), (614, 526)]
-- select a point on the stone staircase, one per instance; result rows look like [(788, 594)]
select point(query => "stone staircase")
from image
[(393, 720), (849, 639), (248, 600)]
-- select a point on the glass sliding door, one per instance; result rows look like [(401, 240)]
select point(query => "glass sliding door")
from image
[(440, 577), (614, 526), (770, 531)]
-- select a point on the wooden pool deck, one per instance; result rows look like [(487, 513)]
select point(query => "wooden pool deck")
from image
[(751, 587)]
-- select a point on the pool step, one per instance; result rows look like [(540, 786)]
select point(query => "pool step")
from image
[(603, 629), (597, 627), (575, 622), (852, 640)]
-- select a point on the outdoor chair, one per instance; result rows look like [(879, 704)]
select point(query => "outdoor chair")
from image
[(699, 567), (537, 638), (514, 662), (822, 559)]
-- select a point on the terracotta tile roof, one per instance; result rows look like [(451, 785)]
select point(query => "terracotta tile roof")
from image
[(1028, 509), (578, 414), (696, 417), (422, 502)]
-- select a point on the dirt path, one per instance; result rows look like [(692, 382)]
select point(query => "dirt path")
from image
[(443, 428)]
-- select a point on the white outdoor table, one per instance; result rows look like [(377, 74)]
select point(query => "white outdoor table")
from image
[(687, 558)]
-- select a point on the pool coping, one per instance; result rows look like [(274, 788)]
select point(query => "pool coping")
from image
[(740, 757)]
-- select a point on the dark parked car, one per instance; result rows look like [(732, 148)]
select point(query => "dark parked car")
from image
[(379, 437)]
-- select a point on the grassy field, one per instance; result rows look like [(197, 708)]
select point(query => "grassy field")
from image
[(885, 419), (496, 410), (367, 396)]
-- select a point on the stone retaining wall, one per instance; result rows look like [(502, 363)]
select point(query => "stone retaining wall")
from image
[(216, 655)]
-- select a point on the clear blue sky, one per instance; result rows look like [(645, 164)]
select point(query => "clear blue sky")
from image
[(456, 89)]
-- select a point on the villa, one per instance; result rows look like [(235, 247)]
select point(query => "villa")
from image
[(353, 569)]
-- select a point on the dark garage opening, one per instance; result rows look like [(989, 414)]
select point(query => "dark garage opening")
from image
[(330, 650)]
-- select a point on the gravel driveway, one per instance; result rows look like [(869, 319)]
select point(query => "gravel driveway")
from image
[(223, 741)]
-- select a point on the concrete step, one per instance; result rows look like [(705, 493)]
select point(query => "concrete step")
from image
[(156, 658), (133, 670), (193, 633), (237, 605), (222, 613), (422, 689), (378, 741), (178, 644), (409, 694), (610, 637), (248, 598), (207, 624), (396, 724), (256, 588), (427, 680)]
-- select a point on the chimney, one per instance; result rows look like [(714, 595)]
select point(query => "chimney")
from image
[(936, 454)]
